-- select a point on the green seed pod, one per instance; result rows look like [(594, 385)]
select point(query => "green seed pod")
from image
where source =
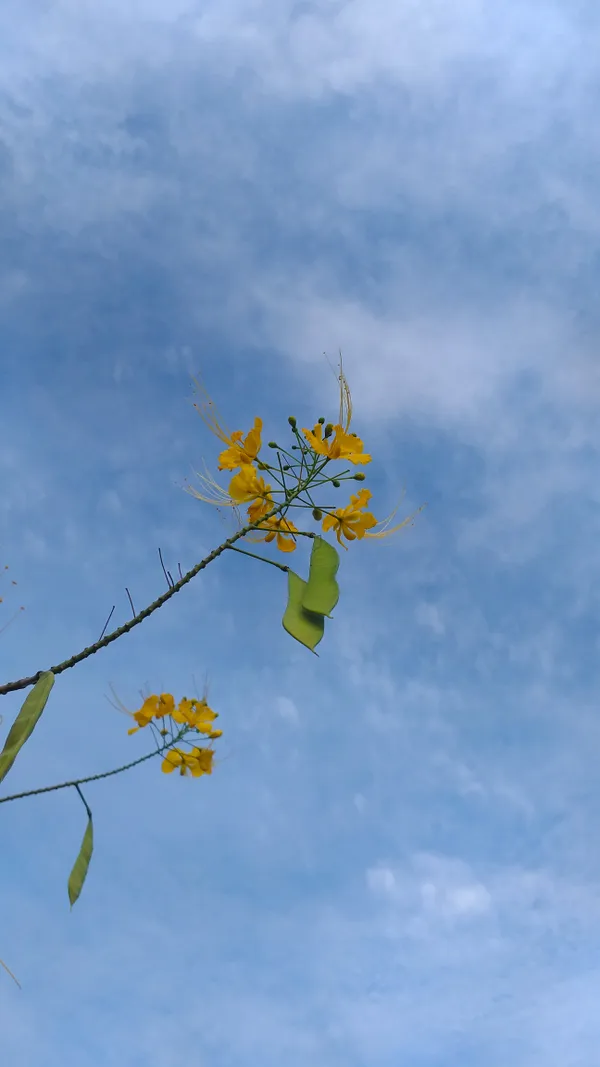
[(336, 483), (317, 514)]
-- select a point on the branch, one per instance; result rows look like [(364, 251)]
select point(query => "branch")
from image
[(23, 683)]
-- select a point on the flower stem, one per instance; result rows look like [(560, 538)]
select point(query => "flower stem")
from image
[(76, 782), (243, 552)]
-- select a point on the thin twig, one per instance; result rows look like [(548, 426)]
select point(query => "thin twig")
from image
[(130, 601), (84, 801), (81, 781), (165, 572), (244, 552), (106, 623), (8, 971)]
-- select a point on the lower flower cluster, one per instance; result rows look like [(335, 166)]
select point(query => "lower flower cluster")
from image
[(175, 722)]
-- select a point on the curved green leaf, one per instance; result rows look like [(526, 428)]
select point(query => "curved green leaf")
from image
[(80, 867), (322, 591), (25, 722), (307, 627)]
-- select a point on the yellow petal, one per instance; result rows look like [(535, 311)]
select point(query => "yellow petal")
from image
[(314, 438), (285, 544)]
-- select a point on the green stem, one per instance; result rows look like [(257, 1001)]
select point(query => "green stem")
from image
[(81, 781), (84, 801), (254, 555)]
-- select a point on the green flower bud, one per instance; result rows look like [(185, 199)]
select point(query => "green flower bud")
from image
[(321, 420), (273, 444), (317, 514), (286, 467), (292, 421), (336, 483), (328, 430), (360, 477), (295, 447)]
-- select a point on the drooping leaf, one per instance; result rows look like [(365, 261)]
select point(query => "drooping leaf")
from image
[(25, 722), (80, 867), (322, 591), (307, 627)]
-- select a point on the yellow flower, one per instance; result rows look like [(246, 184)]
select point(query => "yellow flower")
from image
[(154, 707), (248, 486), (282, 528), (239, 454), (195, 713), (260, 507), (196, 762), (343, 446), (352, 521)]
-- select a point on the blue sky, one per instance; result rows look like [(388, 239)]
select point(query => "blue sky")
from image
[(395, 862)]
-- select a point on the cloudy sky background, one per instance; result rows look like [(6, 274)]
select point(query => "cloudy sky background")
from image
[(397, 862)]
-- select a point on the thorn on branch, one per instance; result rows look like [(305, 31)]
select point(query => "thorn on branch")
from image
[(106, 623), (168, 577)]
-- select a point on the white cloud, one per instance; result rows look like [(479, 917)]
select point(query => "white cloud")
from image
[(381, 881), (287, 709), (429, 616)]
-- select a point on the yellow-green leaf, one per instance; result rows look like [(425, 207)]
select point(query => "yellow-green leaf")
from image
[(25, 722), (307, 627), (322, 591), (80, 868)]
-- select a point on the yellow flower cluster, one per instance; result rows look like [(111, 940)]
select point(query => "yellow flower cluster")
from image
[(322, 444), (189, 715)]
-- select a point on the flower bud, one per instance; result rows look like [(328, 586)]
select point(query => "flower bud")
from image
[(317, 514), (286, 467), (328, 430), (321, 420), (292, 421), (360, 477), (273, 444), (336, 483)]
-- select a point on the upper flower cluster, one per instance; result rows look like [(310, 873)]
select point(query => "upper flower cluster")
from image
[(295, 476)]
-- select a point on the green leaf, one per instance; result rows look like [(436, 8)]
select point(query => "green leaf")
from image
[(307, 627), (322, 591), (80, 868), (25, 722)]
